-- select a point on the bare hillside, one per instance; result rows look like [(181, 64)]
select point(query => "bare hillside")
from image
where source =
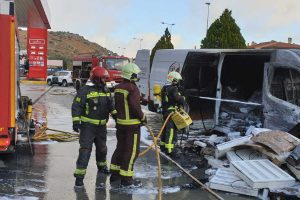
[(65, 45)]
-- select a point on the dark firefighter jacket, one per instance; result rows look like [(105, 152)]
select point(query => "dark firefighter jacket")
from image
[(127, 100), (92, 105), (171, 98)]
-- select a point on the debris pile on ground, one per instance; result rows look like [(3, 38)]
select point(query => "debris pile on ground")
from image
[(264, 163)]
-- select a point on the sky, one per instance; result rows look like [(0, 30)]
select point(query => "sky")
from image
[(114, 23)]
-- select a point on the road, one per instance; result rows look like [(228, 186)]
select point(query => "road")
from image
[(48, 174)]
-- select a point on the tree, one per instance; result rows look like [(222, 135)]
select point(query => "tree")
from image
[(224, 33), (163, 43)]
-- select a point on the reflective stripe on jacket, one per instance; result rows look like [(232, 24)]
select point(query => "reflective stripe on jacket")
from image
[(92, 105), (171, 98), (127, 100)]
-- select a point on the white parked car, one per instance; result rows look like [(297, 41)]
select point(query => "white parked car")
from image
[(63, 78)]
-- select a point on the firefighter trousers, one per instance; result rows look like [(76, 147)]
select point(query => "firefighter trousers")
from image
[(168, 137), (90, 134), (127, 150)]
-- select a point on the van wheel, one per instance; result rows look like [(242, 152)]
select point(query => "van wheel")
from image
[(64, 83), (49, 82)]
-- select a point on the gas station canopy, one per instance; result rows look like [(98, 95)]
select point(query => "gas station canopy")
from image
[(33, 13)]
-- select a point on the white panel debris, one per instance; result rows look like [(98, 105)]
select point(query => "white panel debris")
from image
[(226, 180), (262, 174), (200, 144), (249, 130), (233, 135), (256, 131), (221, 149), (244, 154)]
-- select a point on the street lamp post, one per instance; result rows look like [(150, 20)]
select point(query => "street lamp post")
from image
[(140, 39), (168, 24), (119, 50), (208, 4)]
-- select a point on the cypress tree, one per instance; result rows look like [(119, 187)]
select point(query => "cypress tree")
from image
[(224, 33), (163, 43)]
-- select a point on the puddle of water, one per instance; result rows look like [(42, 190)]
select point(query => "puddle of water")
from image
[(49, 174), (14, 197)]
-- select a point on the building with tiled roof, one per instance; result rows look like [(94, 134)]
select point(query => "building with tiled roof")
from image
[(274, 45)]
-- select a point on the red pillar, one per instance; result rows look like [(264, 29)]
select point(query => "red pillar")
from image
[(37, 50)]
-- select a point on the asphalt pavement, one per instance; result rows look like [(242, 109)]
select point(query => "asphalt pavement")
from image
[(48, 174)]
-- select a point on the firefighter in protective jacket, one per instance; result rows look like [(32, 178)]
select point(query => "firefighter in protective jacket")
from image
[(90, 113), (129, 119), (171, 100)]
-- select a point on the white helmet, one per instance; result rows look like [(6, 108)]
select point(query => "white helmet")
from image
[(174, 77), (130, 71)]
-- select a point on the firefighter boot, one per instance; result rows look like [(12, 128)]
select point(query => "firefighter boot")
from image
[(114, 177), (131, 183), (103, 169), (79, 182), (162, 148), (100, 180)]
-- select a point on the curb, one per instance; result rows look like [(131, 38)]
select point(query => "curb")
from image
[(33, 82)]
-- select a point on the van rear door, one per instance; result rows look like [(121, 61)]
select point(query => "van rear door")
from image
[(142, 59), (165, 61), (281, 95)]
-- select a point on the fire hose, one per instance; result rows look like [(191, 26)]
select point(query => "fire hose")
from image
[(158, 153), (64, 136)]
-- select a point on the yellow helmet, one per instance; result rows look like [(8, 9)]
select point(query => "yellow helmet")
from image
[(130, 71), (174, 77)]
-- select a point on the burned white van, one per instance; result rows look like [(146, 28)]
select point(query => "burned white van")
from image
[(235, 88)]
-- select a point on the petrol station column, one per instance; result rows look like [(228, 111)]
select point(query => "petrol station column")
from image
[(37, 51)]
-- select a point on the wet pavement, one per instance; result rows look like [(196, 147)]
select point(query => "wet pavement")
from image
[(48, 174)]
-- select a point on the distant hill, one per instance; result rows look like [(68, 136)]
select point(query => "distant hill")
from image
[(64, 46)]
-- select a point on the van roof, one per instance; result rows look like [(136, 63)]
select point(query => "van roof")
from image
[(291, 56), (228, 50)]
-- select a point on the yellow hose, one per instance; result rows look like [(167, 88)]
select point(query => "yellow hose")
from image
[(64, 136), (159, 182), (157, 151), (158, 136)]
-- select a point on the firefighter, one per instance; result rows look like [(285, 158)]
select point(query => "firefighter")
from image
[(90, 113), (171, 100), (129, 119)]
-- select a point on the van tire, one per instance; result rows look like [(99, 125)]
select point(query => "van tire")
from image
[(64, 83), (49, 82)]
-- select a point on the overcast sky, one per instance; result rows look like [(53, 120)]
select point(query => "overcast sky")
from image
[(114, 23)]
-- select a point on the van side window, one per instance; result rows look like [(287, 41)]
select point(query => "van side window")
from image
[(285, 85)]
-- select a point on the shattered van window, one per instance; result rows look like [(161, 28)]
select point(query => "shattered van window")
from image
[(296, 80), (286, 85)]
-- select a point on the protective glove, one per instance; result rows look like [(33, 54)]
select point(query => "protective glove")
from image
[(76, 127)]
